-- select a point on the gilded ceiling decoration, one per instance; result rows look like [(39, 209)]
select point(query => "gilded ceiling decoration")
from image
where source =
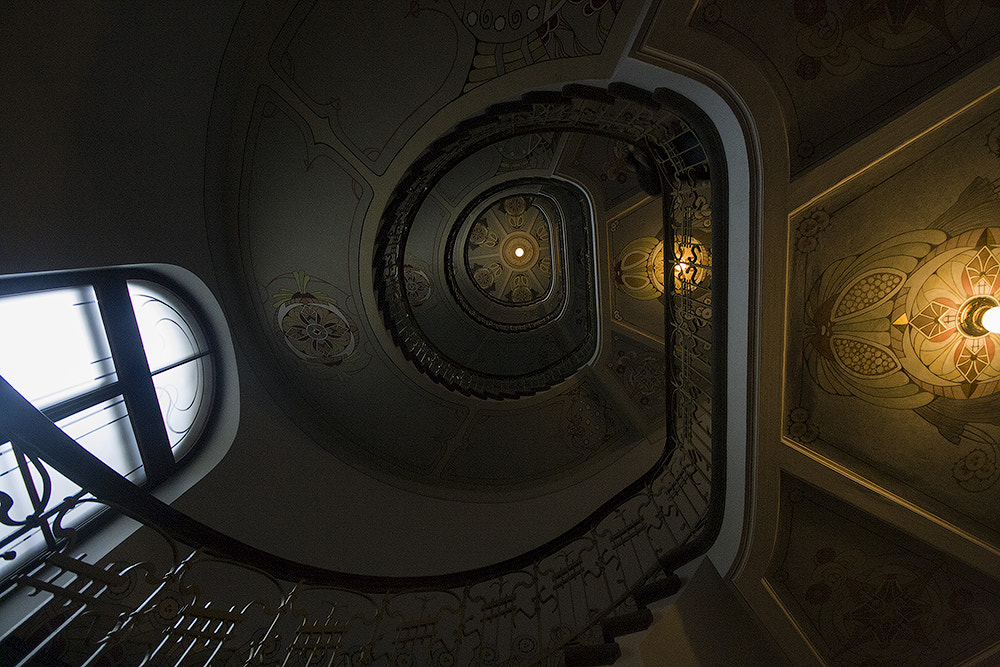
[(890, 326), (639, 271), (889, 331), (937, 347), (849, 344), (639, 268)]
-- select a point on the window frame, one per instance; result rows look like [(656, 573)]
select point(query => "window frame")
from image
[(135, 385)]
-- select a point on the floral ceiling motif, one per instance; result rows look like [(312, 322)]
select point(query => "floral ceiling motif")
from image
[(311, 324), (507, 251), (639, 268), (886, 324), (933, 348), (892, 326)]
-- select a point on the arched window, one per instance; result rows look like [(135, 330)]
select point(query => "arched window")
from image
[(121, 360)]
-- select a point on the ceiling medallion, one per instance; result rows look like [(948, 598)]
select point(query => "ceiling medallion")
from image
[(938, 328), (505, 255), (899, 338), (639, 269), (507, 251)]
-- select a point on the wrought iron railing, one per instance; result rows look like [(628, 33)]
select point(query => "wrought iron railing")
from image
[(182, 593), (172, 605)]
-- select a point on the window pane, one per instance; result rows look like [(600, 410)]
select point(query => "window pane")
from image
[(53, 345), (183, 393), (169, 330), (104, 430)]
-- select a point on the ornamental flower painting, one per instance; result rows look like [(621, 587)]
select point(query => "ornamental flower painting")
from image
[(313, 327), (848, 342), (902, 325), (896, 325)]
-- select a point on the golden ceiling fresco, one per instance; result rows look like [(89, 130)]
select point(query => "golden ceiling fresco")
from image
[(843, 67), (880, 282)]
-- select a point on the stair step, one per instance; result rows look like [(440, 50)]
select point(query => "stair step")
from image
[(626, 624), (592, 655), (657, 590)]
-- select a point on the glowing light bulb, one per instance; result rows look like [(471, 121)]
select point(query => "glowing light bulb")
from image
[(991, 319), (519, 252)]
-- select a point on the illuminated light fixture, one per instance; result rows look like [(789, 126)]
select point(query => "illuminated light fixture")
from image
[(991, 319), (519, 251), (979, 316)]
